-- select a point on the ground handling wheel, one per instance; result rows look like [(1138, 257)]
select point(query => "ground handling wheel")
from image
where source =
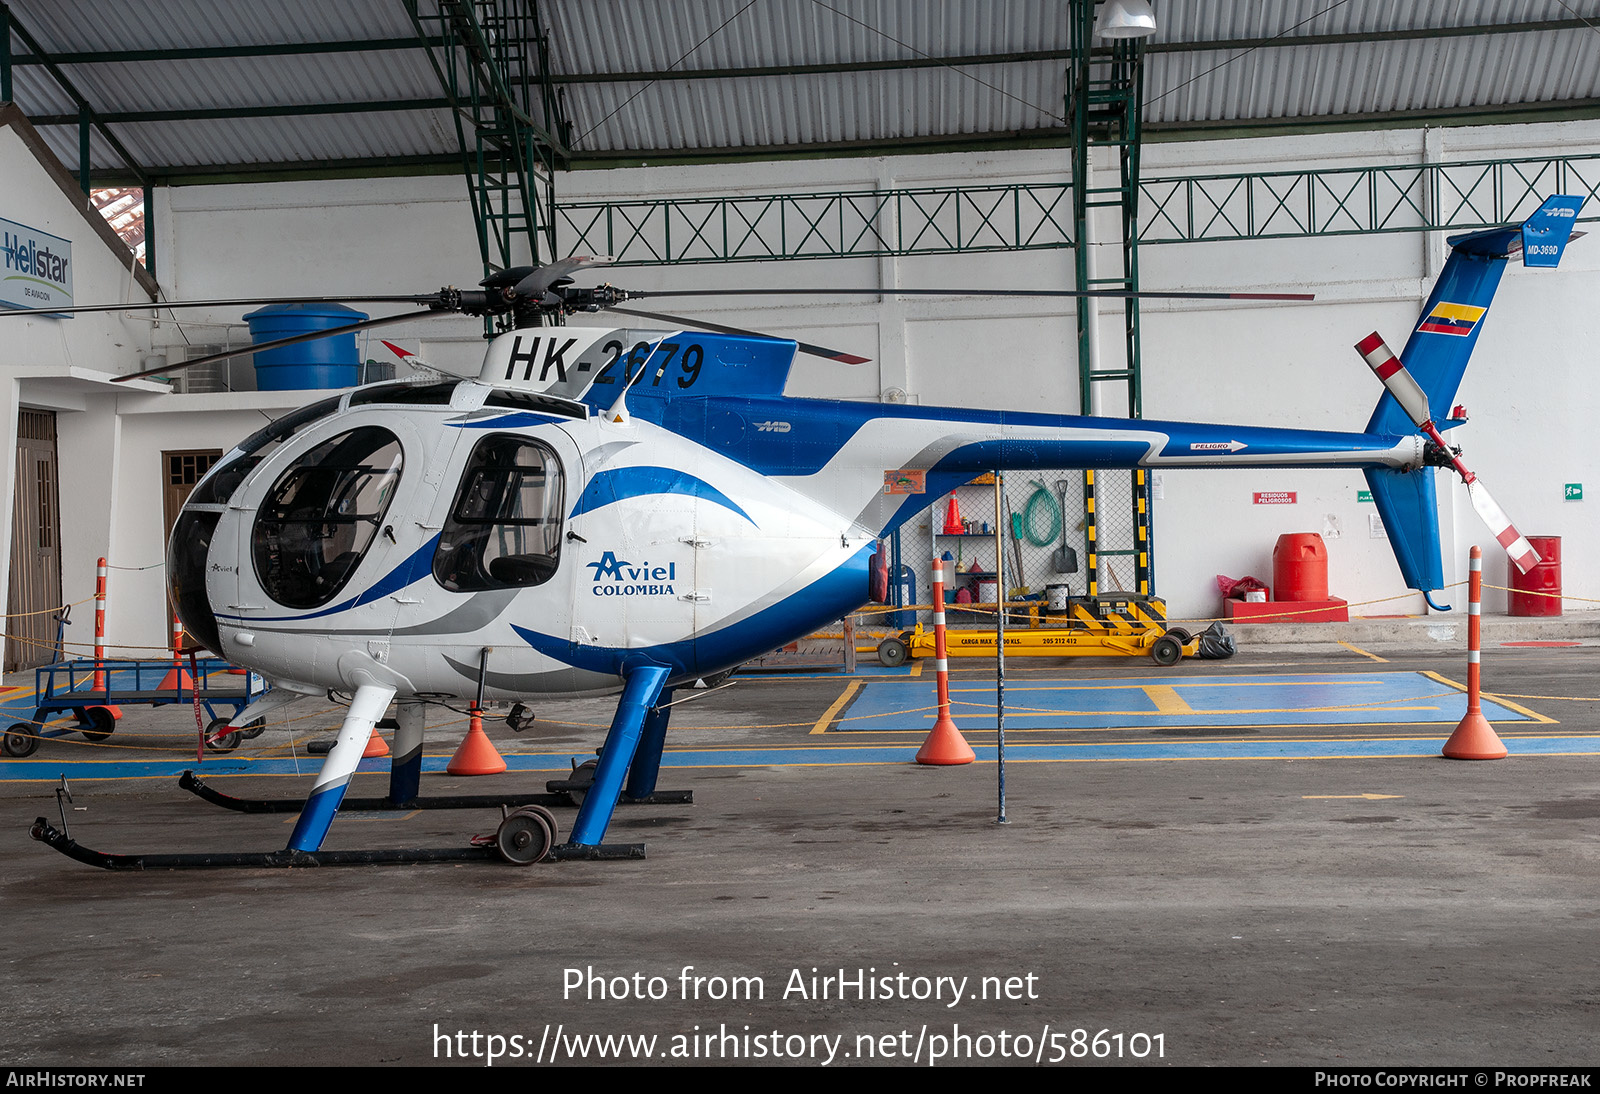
[(526, 835), (101, 723), (219, 738), (22, 739), (1166, 650), (254, 729), (893, 652), (584, 774)]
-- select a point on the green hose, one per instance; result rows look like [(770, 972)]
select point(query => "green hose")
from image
[(1042, 494)]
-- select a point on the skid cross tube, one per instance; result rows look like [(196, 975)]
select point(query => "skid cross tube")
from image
[(195, 785)]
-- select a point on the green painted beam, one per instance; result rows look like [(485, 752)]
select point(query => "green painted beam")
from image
[(1490, 114), (269, 110), (207, 53), (219, 173)]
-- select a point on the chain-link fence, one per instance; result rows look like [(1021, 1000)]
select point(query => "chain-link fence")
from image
[(1043, 524)]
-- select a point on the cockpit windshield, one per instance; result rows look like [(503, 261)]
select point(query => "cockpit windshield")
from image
[(218, 486)]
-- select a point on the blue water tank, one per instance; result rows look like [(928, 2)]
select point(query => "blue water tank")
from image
[(321, 363)]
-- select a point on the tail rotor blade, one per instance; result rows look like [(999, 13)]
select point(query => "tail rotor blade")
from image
[(1522, 554), (1399, 382)]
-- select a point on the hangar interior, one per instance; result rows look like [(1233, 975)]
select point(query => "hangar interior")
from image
[(335, 148), (1262, 860)]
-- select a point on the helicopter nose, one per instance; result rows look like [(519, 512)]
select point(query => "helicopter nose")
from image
[(187, 554)]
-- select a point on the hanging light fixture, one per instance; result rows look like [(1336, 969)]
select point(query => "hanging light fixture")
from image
[(1125, 19)]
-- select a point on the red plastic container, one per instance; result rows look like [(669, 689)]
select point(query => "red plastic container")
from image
[(1300, 567), (1543, 578)]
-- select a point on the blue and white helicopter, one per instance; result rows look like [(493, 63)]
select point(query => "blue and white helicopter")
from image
[(610, 510)]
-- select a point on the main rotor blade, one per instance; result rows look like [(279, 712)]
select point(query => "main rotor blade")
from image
[(1120, 294), (266, 301), (258, 347), (1523, 556), (805, 347)]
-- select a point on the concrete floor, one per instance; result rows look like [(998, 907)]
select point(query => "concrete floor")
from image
[(1321, 908)]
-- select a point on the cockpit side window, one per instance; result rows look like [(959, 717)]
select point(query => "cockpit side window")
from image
[(321, 516), (504, 528)]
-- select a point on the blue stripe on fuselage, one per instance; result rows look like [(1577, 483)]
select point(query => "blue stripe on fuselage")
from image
[(612, 486), (825, 600), (413, 568)]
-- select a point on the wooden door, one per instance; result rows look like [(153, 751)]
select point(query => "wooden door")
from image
[(35, 545), (180, 472)]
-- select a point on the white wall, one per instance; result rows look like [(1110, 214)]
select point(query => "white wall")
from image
[(1287, 365), (57, 364)]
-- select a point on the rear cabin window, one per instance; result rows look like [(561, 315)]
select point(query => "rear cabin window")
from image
[(322, 515), (504, 529)]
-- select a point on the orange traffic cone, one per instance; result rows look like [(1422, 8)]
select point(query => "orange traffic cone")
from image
[(375, 747), (1475, 739), (945, 745), (952, 518), (176, 677), (477, 755)]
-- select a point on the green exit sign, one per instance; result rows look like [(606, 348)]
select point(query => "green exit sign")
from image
[(1363, 495), (1574, 491)]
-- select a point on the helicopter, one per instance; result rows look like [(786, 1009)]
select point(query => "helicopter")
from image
[(621, 510)]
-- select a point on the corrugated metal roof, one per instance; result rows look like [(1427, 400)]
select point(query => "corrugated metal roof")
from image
[(647, 78)]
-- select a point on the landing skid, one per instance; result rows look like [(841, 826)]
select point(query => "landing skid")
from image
[(525, 836), (46, 833)]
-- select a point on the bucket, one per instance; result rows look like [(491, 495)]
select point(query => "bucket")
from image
[(1300, 567), (322, 363), (1058, 597), (1543, 578)]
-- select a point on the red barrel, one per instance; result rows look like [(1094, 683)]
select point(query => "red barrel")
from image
[(1300, 567), (1543, 578)]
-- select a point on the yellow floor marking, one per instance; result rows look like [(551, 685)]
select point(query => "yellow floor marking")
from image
[(838, 704), (1535, 715), (1363, 653), (1341, 797), (916, 670), (1167, 699)]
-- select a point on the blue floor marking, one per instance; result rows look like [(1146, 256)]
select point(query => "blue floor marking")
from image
[(836, 755), (1389, 698)]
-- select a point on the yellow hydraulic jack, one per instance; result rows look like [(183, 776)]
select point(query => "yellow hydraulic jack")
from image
[(1099, 626)]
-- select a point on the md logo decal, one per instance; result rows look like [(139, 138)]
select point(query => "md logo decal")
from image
[(623, 578)]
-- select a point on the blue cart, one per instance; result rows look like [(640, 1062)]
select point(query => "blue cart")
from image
[(70, 685)]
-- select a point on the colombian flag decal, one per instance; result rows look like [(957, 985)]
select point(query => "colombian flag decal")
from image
[(1447, 318)]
